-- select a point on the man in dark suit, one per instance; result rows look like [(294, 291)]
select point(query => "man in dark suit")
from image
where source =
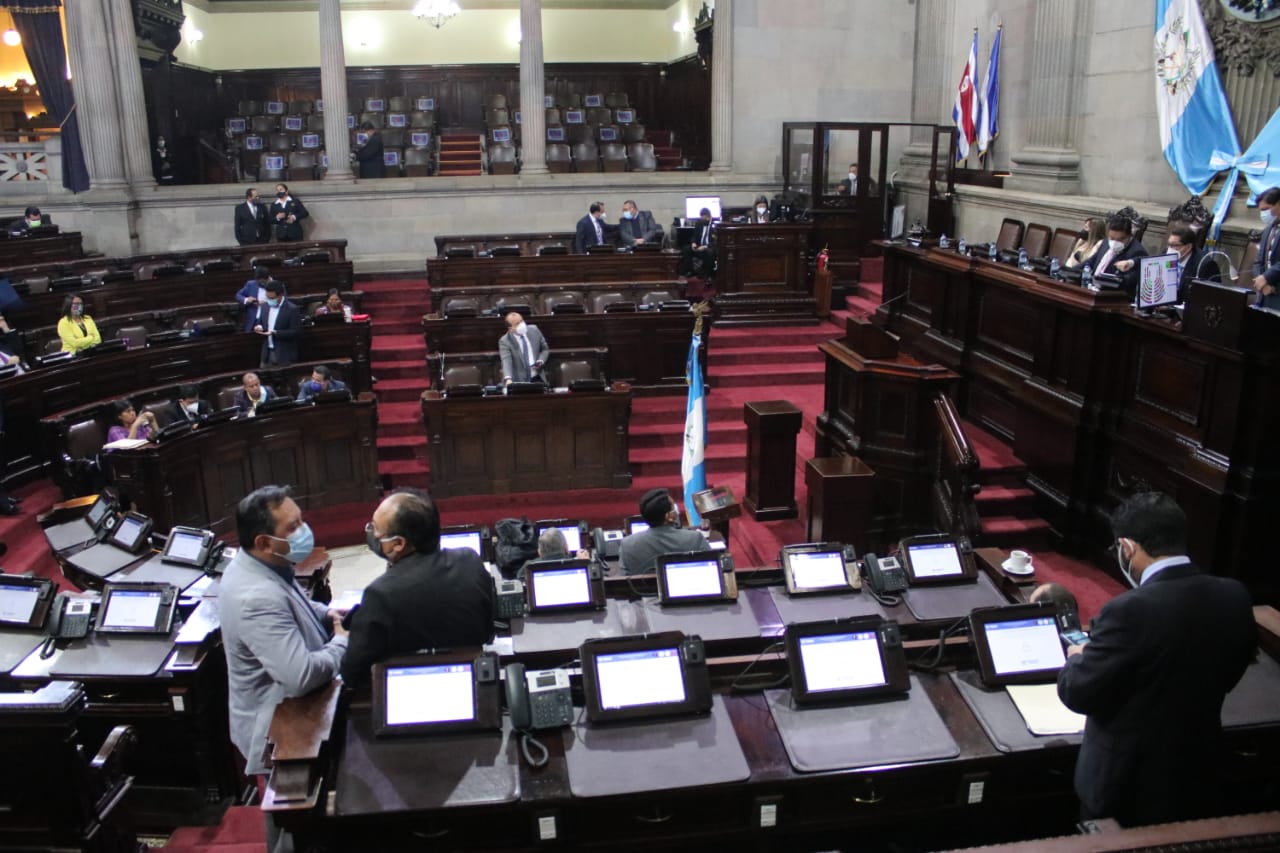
[(252, 393), (1266, 269), (31, 222), (428, 598), (251, 219), (321, 381), (523, 350), (188, 406), (590, 228), (1182, 242), (698, 257), (279, 323), (1152, 678), (1120, 254), (637, 227), (369, 155), (286, 215)]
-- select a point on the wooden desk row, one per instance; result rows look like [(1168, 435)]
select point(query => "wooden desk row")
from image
[(61, 247), (1101, 403), (446, 273), (526, 243), (241, 256), (46, 391)]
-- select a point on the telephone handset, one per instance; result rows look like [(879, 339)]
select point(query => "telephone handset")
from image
[(538, 700), (70, 617), (885, 575), (607, 542)]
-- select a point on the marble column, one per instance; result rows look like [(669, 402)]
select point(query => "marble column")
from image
[(533, 117), (129, 95), (333, 89), (1049, 161), (722, 88), (930, 92), (89, 54)]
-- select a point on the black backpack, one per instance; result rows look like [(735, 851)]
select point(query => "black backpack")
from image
[(517, 543)]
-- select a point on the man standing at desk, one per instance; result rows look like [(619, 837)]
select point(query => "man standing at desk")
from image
[(279, 323), (1119, 256), (636, 228), (639, 552), (524, 351), (1151, 681), (428, 599), (590, 229)]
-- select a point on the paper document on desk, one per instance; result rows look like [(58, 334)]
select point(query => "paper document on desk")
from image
[(202, 622), (1043, 711), (125, 444)]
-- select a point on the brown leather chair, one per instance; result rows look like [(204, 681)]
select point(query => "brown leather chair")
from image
[(135, 337), (521, 301), (463, 374), (248, 109), (600, 300), (301, 108), (559, 160), (566, 371), (657, 297), (1036, 241), (549, 302), (496, 102), (569, 100), (576, 134), (460, 306), (225, 398), (302, 166), (599, 115), (195, 324), (586, 157), (280, 141), (159, 408), (314, 123), (614, 156), (497, 118), (1010, 236), (553, 116), (642, 157), (425, 119), (502, 159), (400, 104), (85, 439), (263, 124), (632, 133), (378, 120), (417, 162), (393, 137), (614, 100), (1060, 246)]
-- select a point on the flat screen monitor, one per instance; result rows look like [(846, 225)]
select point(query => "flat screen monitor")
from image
[(635, 524), (1158, 279), (99, 511), (1020, 644), (646, 677), (560, 585), (137, 608), (433, 694), (469, 539), (693, 206), (842, 660), (815, 569), (572, 531), (24, 601), (188, 546), (131, 533), (690, 578), (934, 559)]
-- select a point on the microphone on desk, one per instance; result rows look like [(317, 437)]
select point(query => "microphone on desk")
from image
[(442, 370)]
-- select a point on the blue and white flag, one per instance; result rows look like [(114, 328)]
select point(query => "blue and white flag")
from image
[(1195, 119), (989, 100), (692, 469)]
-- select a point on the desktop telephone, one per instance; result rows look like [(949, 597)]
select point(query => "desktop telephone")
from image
[(885, 575), (539, 699), (70, 617), (510, 600), (608, 543)]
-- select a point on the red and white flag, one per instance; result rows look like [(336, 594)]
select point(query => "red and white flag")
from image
[(965, 111)]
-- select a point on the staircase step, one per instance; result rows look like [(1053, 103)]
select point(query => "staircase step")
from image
[(671, 435), (1005, 531), (751, 375), (1001, 500), (654, 461), (385, 370), (395, 326), (397, 473), (767, 337), (400, 390), (402, 447), (764, 358), (456, 173)]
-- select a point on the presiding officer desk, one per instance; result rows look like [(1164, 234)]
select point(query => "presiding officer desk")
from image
[(950, 763), (445, 273), (35, 247), (1100, 402)]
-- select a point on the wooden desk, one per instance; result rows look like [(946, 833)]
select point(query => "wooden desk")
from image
[(43, 392), (526, 443), (527, 243), (763, 274), (63, 246), (469, 272), (239, 255), (326, 453)]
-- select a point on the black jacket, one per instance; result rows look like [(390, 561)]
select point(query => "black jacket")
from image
[(251, 228), (288, 328), (369, 156), (283, 230), (1132, 252)]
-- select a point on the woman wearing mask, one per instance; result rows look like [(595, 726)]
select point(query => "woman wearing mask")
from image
[(1091, 236), (286, 215), (76, 329), (760, 213), (132, 424), (1266, 269)]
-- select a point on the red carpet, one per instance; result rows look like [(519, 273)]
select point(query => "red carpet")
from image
[(28, 550)]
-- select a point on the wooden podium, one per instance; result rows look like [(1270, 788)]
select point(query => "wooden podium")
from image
[(771, 451), (841, 489)]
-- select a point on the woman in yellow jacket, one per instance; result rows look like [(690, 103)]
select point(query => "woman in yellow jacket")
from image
[(75, 328)]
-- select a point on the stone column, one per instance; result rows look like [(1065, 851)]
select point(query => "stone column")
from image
[(1049, 162), (930, 91), (722, 88), (133, 104), (333, 89), (533, 118), (89, 54)]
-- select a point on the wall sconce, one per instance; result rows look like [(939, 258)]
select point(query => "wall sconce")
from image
[(681, 26), (11, 37), (194, 34)]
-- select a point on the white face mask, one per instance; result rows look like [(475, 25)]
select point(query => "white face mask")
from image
[(521, 328), (761, 209), (853, 176), (193, 408), (1268, 216), (1115, 245)]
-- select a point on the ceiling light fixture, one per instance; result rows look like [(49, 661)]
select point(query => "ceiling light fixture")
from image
[(436, 12), (11, 37)]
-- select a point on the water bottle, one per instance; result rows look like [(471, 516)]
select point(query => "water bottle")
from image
[(1086, 277), (1023, 263), (962, 247), (943, 242), (346, 313), (991, 251), (1055, 269)]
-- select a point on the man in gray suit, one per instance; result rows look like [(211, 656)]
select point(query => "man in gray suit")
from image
[(524, 351), (640, 551), (278, 642), (637, 226)]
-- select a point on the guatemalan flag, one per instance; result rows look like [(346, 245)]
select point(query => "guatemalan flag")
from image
[(989, 102), (692, 469), (965, 111), (1195, 120)]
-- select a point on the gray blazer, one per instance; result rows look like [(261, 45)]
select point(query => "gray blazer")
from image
[(278, 644), (514, 365)]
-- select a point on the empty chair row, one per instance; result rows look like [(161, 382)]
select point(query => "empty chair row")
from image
[(567, 100), (315, 123), (575, 133), (394, 104), (556, 116), (611, 157), (291, 166), (597, 298)]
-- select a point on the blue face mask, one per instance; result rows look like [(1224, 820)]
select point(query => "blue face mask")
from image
[(301, 542), (274, 303), (626, 214)]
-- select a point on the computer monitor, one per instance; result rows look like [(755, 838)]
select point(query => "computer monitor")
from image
[(841, 660), (434, 694), (99, 511), (470, 539), (1020, 644), (658, 675), (635, 524), (556, 585), (144, 608), (817, 568), (933, 560), (690, 578), (188, 546), (693, 206), (24, 601), (1158, 279), (572, 530), (131, 533)]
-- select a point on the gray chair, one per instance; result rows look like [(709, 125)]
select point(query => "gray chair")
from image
[(642, 157), (559, 159), (502, 159), (586, 157)]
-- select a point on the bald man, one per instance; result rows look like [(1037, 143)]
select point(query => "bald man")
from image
[(252, 394), (429, 598)]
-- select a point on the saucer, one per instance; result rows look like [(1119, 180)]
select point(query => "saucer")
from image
[(1028, 569)]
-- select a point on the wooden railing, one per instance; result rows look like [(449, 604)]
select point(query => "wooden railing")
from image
[(956, 482)]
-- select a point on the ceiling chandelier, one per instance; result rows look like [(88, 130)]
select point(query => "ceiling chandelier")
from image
[(436, 12)]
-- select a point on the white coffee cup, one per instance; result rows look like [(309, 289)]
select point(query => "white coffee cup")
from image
[(1019, 560)]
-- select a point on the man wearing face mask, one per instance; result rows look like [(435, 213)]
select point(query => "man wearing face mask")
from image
[(524, 351), (188, 406), (429, 598), (1266, 269), (1182, 242), (637, 227), (279, 324), (278, 642), (639, 552), (590, 229), (1120, 254), (1152, 679)]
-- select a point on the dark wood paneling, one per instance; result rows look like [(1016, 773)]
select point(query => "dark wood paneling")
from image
[(475, 272)]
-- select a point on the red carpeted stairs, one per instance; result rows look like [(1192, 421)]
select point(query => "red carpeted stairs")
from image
[(460, 154), (669, 156), (398, 362), (27, 549)]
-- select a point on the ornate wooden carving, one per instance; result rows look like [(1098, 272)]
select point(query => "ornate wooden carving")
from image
[(1242, 45)]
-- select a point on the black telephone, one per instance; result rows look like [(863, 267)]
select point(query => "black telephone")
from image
[(69, 619), (608, 542), (538, 700), (886, 576)]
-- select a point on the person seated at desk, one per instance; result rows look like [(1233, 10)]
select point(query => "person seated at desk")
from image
[(1266, 269), (523, 350), (760, 213), (639, 552), (1091, 236), (637, 227), (76, 328), (252, 295), (1120, 255), (30, 223), (321, 380), (848, 186), (280, 324), (590, 229), (132, 425), (1182, 242), (12, 349), (252, 393), (188, 406), (698, 257), (333, 304), (552, 546), (429, 598)]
